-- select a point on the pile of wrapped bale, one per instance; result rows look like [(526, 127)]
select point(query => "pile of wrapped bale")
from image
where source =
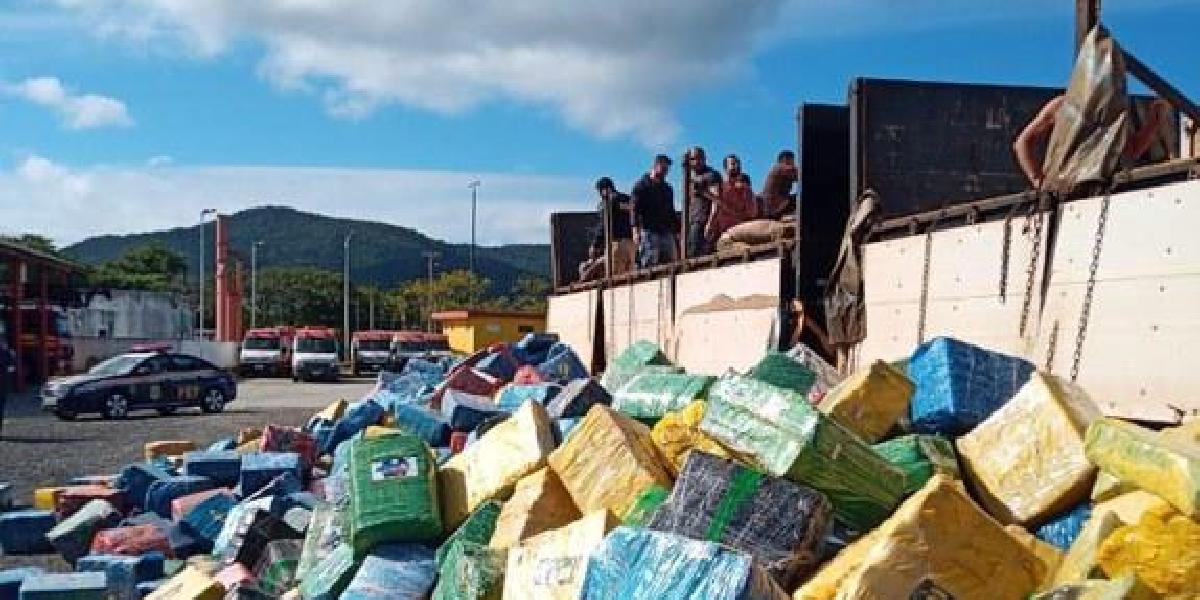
[(513, 474)]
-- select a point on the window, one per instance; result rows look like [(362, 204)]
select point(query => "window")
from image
[(153, 365), (181, 363)]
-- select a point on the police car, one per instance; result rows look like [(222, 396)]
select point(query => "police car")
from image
[(141, 380)]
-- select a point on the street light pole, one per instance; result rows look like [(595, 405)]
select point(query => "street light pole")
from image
[(346, 290), (429, 258), (254, 284), (474, 185), (203, 213)]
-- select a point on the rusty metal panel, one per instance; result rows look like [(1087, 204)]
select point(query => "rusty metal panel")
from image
[(728, 317), (570, 236), (639, 311), (575, 318)]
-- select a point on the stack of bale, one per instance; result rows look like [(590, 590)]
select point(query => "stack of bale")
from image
[(956, 473)]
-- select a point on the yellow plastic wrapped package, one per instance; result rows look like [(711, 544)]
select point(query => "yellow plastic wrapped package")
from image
[(937, 544), (1108, 486), (1027, 460), (1122, 588), (333, 412), (608, 460), (374, 431), (870, 401), (190, 584), (489, 468), (47, 498), (1162, 549), (551, 566), (153, 450), (678, 433), (1050, 555), (1080, 564), (1161, 465), (1129, 507), (539, 503)]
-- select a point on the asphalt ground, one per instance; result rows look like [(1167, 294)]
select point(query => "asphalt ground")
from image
[(38, 450)]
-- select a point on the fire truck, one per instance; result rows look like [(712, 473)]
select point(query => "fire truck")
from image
[(315, 354), (56, 337), (369, 351), (267, 351)]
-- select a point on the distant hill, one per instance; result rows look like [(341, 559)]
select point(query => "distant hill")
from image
[(380, 253)]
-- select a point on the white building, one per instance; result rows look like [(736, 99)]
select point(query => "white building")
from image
[(137, 314)]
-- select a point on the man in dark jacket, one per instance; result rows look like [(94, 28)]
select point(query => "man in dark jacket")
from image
[(706, 187), (655, 222), (619, 208), (8, 367)]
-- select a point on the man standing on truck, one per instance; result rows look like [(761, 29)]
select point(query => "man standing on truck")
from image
[(8, 370), (736, 203), (619, 208), (655, 223), (777, 197), (1038, 131), (705, 187)]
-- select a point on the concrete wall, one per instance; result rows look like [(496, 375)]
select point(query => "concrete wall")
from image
[(91, 350), (133, 314)]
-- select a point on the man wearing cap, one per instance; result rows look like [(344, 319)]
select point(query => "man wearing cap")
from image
[(619, 208), (655, 222), (706, 188)]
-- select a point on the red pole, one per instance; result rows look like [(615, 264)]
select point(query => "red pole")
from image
[(44, 318)]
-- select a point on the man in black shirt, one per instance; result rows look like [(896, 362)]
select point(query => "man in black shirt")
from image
[(706, 186), (620, 209), (655, 223)]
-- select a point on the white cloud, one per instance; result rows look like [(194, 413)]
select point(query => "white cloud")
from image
[(160, 160), (616, 68), (68, 205), (78, 111)]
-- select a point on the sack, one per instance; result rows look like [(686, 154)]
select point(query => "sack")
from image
[(758, 231), (958, 385)]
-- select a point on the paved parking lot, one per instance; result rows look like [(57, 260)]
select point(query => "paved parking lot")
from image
[(36, 449)]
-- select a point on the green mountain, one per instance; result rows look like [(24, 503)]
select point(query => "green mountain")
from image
[(382, 254)]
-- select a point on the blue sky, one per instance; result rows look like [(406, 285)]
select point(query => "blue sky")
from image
[(128, 115)]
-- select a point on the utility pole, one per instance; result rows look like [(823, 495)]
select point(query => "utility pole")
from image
[(203, 214), (254, 284), (474, 185), (371, 315), (430, 257), (346, 290)]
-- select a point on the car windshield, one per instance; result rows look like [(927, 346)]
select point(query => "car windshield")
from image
[(255, 343), (117, 365), (403, 346), (373, 345), (316, 345), (438, 345)]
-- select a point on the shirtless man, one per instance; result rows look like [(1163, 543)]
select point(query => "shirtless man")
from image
[(1038, 132)]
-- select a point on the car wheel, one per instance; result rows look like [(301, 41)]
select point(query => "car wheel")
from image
[(116, 406), (167, 411), (65, 415), (213, 401)]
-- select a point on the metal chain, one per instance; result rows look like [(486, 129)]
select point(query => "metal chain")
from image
[(1086, 311), (1031, 268), (1005, 255), (923, 307), (1051, 348)]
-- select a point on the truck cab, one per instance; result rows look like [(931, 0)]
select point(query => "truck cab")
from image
[(266, 351), (437, 346), (406, 345), (370, 350), (315, 354)]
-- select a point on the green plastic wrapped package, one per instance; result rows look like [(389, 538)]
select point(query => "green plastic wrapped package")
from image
[(639, 354), (324, 534), (643, 509), (786, 437), (471, 571), (652, 395), (331, 576), (920, 456), (616, 378), (781, 370), (393, 492), (477, 529)]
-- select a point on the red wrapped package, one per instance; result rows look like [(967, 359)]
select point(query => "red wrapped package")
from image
[(73, 498), (470, 381), (180, 506), (132, 541), (277, 438), (528, 375), (458, 441)]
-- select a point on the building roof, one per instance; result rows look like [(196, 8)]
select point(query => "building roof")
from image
[(467, 313), (11, 248)]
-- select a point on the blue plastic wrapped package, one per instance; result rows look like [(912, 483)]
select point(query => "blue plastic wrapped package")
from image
[(501, 365), (958, 385), (430, 371), (511, 397), (146, 588), (562, 365), (259, 468), (24, 531), (206, 518), (1062, 529), (160, 493), (185, 544), (358, 417), (10, 580), (330, 576), (281, 485), (124, 573), (636, 563), (92, 585), (576, 397), (223, 467), (424, 423), (222, 445), (564, 427), (322, 432), (465, 412), (534, 348), (394, 571), (135, 479), (72, 537)]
